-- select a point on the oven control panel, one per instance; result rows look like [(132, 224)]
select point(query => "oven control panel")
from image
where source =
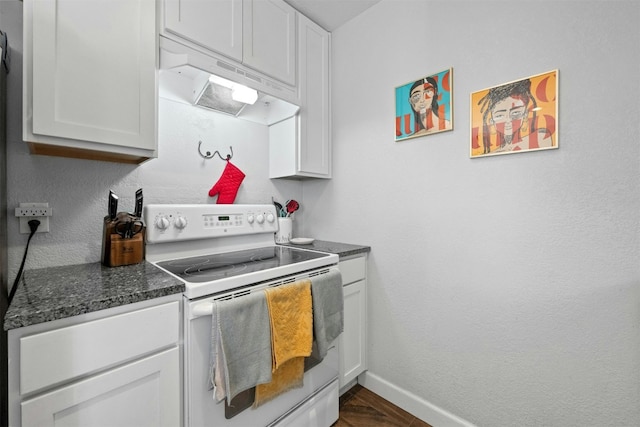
[(170, 223), (224, 221)]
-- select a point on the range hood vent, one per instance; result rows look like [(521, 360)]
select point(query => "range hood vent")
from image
[(218, 98)]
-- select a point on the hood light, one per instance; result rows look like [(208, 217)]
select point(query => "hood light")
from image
[(244, 94)]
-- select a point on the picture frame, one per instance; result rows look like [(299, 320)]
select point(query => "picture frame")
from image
[(515, 117), (424, 106)]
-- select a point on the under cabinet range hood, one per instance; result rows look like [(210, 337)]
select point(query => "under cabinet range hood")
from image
[(192, 77)]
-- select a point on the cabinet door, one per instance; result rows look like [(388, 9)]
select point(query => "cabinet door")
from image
[(215, 25), (353, 339), (269, 38), (313, 50), (93, 70), (143, 393)]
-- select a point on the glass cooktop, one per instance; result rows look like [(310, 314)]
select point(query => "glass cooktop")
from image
[(213, 267)]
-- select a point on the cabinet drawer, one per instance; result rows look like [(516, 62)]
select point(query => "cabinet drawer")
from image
[(61, 354), (142, 393), (353, 269)]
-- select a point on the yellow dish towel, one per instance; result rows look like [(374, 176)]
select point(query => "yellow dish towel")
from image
[(285, 378), (291, 318)]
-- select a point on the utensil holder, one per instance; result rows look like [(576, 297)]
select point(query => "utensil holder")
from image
[(118, 251), (285, 229)]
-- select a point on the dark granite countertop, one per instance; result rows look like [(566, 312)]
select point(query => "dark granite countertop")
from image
[(54, 293), (341, 249), (48, 294)]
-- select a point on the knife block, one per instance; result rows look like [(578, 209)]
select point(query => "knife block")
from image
[(117, 251)]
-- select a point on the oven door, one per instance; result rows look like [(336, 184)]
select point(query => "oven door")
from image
[(202, 409)]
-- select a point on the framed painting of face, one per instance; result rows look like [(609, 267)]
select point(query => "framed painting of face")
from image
[(515, 117), (424, 106)]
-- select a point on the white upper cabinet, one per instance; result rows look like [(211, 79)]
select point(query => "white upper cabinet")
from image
[(315, 126), (300, 147), (90, 79), (214, 25), (269, 38), (260, 34)]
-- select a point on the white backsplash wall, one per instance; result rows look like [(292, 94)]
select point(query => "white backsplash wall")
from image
[(77, 189), (504, 290)]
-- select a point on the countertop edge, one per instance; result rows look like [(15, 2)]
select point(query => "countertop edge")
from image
[(54, 293), (19, 320), (343, 250)]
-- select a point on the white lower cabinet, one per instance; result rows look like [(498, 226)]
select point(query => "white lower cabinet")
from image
[(115, 367), (352, 342), (142, 393)]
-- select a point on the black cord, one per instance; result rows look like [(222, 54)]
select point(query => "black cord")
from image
[(33, 225)]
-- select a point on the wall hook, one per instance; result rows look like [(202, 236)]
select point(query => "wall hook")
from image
[(209, 155)]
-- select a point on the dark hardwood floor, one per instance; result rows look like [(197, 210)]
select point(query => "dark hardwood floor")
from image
[(360, 407)]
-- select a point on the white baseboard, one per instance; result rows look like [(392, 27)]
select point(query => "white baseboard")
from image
[(415, 405)]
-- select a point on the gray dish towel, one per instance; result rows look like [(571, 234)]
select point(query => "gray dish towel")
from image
[(328, 310), (240, 345)]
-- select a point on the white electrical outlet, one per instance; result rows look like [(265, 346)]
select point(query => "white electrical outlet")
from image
[(28, 211)]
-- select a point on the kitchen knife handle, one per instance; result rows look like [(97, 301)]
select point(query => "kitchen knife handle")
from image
[(113, 205), (138, 208)]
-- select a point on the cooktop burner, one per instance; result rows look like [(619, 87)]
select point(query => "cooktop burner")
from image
[(208, 268)]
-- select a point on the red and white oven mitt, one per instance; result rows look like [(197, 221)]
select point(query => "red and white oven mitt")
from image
[(227, 186)]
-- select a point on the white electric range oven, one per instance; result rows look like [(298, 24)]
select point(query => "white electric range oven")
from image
[(229, 251)]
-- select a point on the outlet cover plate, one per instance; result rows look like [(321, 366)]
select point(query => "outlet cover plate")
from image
[(28, 211)]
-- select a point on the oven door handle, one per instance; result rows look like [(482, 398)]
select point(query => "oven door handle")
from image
[(202, 309)]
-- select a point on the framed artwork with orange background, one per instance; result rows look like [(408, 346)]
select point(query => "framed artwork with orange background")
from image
[(515, 117), (424, 106)]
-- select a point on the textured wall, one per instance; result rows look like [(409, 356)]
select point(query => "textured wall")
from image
[(505, 289)]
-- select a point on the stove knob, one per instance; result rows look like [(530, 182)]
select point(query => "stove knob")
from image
[(260, 218), (250, 218), (162, 223), (270, 217), (180, 222)]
